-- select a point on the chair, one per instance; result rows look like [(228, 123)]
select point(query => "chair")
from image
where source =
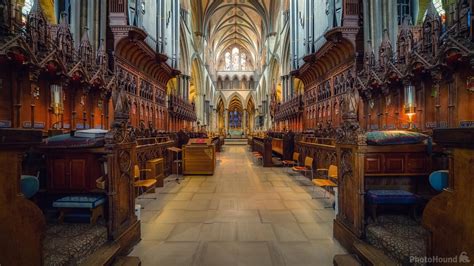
[(258, 157), (291, 163), (308, 167), (143, 185), (328, 175)]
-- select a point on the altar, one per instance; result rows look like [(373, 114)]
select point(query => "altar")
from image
[(236, 133)]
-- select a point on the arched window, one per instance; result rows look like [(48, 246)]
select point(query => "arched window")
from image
[(228, 63), (27, 7), (243, 61), (234, 60)]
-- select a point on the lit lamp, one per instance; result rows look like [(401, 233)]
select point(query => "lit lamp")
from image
[(410, 106)]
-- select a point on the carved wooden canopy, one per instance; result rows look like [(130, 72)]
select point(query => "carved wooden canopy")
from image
[(131, 49)]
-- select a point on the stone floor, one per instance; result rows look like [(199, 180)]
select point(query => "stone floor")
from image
[(242, 215)]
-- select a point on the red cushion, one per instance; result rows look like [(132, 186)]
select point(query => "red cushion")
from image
[(300, 168)]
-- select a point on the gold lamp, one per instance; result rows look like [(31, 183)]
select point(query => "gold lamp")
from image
[(410, 103)]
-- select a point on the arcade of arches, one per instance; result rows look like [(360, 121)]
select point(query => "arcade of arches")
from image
[(256, 132)]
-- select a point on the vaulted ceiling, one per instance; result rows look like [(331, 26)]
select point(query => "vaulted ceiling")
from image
[(224, 23)]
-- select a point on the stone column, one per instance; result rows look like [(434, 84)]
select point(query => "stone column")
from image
[(226, 120), (211, 114), (244, 120), (76, 21), (291, 89), (185, 87)]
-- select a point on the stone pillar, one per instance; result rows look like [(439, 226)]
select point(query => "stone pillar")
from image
[(226, 120), (76, 21), (291, 87), (244, 120), (211, 114)]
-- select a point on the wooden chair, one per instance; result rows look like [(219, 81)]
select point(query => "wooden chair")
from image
[(328, 175), (308, 167), (291, 163), (143, 185), (258, 157)]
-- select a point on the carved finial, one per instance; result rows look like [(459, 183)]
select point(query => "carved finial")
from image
[(101, 55), (64, 38), (431, 12), (85, 49), (385, 51), (38, 28), (406, 22)]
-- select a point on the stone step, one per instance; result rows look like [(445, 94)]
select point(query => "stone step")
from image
[(103, 256), (346, 260), (235, 141), (127, 261), (371, 255)]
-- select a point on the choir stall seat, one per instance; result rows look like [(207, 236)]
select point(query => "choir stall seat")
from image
[(326, 181), (291, 163), (308, 167), (390, 197), (143, 185)]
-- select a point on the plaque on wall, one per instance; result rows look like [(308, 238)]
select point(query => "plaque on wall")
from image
[(431, 124), (37, 125), (5, 123), (466, 123)]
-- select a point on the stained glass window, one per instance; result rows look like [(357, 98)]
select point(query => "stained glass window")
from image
[(243, 61), (27, 7), (234, 60), (228, 64)]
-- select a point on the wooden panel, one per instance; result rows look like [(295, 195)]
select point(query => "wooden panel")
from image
[(78, 174), (22, 222), (373, 164), (395, 163), (449, 216), (59, 173), (416, 164)]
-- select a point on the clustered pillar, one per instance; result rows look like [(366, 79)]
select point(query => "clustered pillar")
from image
[(183, 86)]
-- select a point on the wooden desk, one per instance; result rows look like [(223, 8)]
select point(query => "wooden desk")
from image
[(199, 159)]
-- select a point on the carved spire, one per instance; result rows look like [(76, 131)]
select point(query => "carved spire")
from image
[(64, 39), (86, 55), (38, 28), (369, 57), (385, 50), (405, 41), (431, 12), (431, 30), (101, 59)]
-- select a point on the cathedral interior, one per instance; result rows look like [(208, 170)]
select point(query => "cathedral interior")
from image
[(236, 132)]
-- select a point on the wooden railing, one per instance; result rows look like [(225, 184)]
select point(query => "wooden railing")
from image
[(277, 146), (323, 155), (264, 146), (152, 150), (283, 144)]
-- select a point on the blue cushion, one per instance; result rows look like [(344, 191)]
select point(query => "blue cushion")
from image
[(29, 185), (439, 180), (395, 137), (89, 201), (391, 197)]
